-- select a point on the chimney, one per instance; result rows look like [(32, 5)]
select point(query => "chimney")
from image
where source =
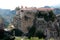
[(25, 6), (21, 6)]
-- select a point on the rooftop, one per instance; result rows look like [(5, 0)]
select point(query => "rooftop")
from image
[(34, 8)]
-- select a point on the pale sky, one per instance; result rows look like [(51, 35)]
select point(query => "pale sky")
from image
[(12, 4)]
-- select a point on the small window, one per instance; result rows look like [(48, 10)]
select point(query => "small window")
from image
[(22, 11), (26, 18)]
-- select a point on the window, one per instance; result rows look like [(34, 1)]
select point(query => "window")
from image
[(26, 18), (22, 11)]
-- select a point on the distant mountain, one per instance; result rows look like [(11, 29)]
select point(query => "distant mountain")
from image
[(47, 7), (56, 6), (7, 14), (56, 9)]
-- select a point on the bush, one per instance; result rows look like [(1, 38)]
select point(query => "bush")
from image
[(31, 31), (1, 34), (17, 32), (40, 34)]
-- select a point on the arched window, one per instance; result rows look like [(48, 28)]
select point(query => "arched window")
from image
[(22, 11)]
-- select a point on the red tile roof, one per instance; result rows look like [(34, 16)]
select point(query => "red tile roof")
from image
[(34, 8), (45, 9)]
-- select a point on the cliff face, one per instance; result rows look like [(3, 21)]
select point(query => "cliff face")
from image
[(58, 23), (24, 20)]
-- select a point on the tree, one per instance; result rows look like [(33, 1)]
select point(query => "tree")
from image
[(1, 27), (40, 34), (17, 32), (46, 17), (17, 8), (52, 16), (39, 14), (31, 31)]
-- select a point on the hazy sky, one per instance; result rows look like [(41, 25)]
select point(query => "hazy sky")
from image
[(11, 4)]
